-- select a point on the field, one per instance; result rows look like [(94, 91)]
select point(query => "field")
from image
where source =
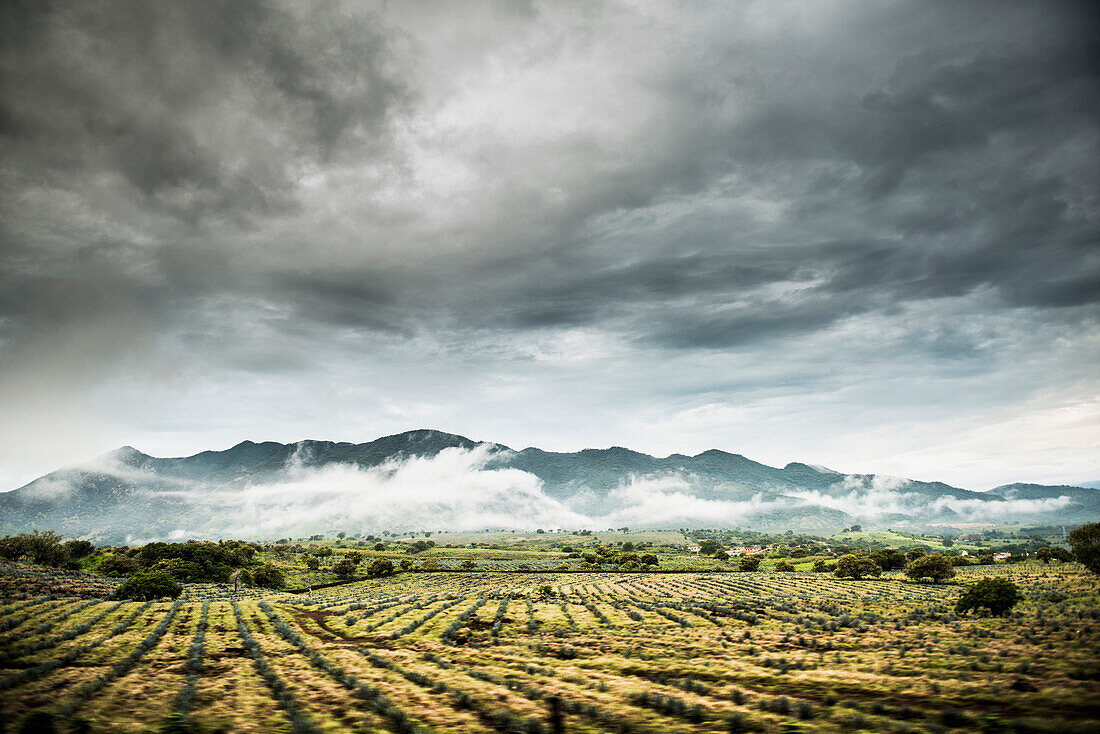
[(611, 652)]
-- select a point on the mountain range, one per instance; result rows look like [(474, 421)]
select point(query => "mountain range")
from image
[(430, 480)]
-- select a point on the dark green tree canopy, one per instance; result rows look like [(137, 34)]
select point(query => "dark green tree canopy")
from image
[(889, 559), (381, 567), (1085, 542), (269, 576), (149, 585), (750, 563), (935, 566), (996, 594), (856, 566), (344, 568), (44, 548)]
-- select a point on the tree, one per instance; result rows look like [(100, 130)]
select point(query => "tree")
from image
[(117, 564), (935, 566), (820, 566), (382, 567), (312, 563), (344, 568), (856, 566), (1085, 542), (180, 570), (149, 585), (44, 548), (79, 548), (888, 559), (996, 594), (1058, 553), (786, 566), (750, 563), (421, 545), (649, 559), (380, 546), (709, 548), (914, 553), (269, 576)]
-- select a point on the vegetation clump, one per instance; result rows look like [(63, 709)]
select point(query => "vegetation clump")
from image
[(856, 566), (997, 594), (149, 585), (935, 566), (1085, 542)]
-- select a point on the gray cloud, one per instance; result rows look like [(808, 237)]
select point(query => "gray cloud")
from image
[(211, 195)]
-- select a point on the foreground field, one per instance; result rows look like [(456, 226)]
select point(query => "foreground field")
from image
[(773, 652)]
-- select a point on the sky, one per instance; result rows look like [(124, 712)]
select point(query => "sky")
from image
[(856, 234)]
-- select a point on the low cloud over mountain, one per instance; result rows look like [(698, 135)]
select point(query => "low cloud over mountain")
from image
[(433, 480)]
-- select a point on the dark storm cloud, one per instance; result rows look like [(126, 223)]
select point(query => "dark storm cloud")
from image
[(218, 99), (268, 187), (213, 112)]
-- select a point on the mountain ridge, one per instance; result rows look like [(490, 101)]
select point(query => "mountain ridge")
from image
[(427, 478)]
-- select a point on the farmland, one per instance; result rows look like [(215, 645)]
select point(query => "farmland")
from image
[(622, 652)]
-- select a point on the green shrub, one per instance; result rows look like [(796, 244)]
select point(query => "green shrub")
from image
[(269, 576), (935, 566), (149, 585), (1085, 542), (116, 564), (998, 595), (856, 566), (381, 567)]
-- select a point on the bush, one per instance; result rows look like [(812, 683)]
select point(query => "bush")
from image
[(345, 568), (149, 585), (998, 595), (784, 566), (381, 567), (181, 570), (116, 564), (856, 566), (935, 566), (1085, 542), (889, 559), (196, 560), (269, 576), (749, 563), (44, 548), (79, 548)]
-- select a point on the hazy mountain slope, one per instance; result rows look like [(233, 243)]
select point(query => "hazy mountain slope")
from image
[(431, 480)]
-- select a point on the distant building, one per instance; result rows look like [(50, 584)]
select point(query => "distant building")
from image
[(751, 550)]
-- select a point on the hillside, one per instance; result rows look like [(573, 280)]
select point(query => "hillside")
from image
[(433, 480)]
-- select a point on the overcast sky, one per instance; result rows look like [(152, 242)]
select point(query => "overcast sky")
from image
[(858, 234)]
